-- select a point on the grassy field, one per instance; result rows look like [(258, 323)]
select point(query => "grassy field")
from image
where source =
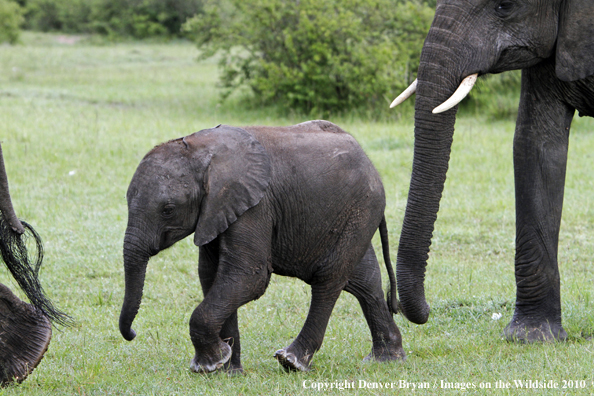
[(77, 118)]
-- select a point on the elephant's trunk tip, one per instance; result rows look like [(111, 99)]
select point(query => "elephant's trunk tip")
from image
[(418, 315), (126, 326), (128, 333)]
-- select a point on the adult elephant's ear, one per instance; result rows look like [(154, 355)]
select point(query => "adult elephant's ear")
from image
[(575, 41), (235, 170)]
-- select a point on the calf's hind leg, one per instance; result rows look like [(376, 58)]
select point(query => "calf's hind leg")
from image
[(366, 285)]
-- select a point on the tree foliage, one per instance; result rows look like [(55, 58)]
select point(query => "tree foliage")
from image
[(116, 18), (314, 56), (11, 18)]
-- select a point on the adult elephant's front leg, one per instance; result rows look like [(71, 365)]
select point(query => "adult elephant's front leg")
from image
[(540, 157)]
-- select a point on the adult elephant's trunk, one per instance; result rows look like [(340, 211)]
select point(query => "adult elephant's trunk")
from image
[(438, 77), (136, 259), (5, 201), (15, 253)]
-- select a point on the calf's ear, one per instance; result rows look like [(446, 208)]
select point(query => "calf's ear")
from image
[(575, 40), (236, 172)]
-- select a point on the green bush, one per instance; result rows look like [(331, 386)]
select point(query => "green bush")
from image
[(68, 16), (43, 15), (11, 18), (115, 18), (133, 18), (314, 56)]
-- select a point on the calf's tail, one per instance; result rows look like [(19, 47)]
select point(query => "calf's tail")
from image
[(391, 297)]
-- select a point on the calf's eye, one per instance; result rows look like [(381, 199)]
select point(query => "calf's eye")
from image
[(168, 210), (504, 8)]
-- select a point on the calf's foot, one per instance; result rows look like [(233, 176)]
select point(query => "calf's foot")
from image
[(291, 361), (209, 362), (232, 368), (387, 353)]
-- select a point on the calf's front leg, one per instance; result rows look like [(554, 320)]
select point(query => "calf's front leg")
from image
[(242, 275)]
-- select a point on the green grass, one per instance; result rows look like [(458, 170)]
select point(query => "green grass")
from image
[(76, 120)]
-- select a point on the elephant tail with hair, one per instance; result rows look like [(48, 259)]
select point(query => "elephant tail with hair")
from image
[(14, 251), (391, 296)]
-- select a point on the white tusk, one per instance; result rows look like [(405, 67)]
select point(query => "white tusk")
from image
[(463, 90), (408, 92)]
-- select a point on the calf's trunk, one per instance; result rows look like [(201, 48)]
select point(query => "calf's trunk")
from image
[(135, 263)]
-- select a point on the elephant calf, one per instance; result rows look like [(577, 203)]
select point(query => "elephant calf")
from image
[(300, 201)]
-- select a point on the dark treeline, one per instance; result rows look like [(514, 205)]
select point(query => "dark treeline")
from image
[(115, 18)]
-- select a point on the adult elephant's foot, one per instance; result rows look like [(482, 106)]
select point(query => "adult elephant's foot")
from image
[(386, 353), (290, 360), (25, 334), (209, 362), (527, 331)]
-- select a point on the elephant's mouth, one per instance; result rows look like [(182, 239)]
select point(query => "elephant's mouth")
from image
[(170, 235)]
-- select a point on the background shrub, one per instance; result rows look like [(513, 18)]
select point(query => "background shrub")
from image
[(313, 56), (310, 56), (142, 18), (43, 15), (114, 18), (11, 18)]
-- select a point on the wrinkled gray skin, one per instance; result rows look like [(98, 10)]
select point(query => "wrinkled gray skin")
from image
[(300, 201), (5, 202), (25, 332), (552, 41)]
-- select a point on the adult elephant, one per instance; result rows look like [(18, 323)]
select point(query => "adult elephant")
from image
[(552, 41), (25, 329)]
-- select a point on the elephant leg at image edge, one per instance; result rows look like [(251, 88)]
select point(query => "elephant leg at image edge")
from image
[(365, 284), (540, 158), (25, 334)]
